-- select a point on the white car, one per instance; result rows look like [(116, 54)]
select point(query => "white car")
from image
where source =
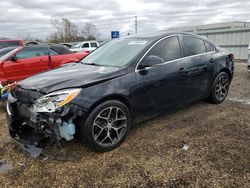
[(87, 46)]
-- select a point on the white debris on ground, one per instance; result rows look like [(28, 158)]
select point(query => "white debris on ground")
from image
[(184, 146), (5, 167), (243, 101)]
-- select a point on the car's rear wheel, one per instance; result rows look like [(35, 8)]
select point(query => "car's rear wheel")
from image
[(220, 88), (107, 126)]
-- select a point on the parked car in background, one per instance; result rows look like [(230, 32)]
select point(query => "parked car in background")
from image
[(6, 50), (122, 83), (67, 45), (8, 43), (87, 46), (23, 62)]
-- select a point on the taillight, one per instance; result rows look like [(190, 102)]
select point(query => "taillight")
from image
[(87, 51), (231, 57)]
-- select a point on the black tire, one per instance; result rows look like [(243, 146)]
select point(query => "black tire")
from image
[(89, 127), (220, 88)]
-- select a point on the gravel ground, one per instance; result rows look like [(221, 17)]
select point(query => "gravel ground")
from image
[(216, 152)]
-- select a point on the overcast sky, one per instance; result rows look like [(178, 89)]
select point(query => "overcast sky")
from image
[(23, 18)]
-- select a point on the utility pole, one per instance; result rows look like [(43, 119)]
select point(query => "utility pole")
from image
[(135, 24)]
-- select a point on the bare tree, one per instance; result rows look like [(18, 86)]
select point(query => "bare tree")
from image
[(66, 31), (89, 31), (53, 38)]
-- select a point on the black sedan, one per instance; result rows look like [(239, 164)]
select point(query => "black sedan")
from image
[(122, 83)]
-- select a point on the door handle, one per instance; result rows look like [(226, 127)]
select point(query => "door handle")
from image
[(211, 60), (183, 70)]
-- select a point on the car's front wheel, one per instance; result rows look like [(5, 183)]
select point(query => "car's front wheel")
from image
[(220, 88), (107, 126)]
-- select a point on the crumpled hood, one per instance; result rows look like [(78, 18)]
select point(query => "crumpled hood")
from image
[(69, 76)]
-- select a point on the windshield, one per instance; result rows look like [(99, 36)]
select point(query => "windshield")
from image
[(7, 55), (118, 52)]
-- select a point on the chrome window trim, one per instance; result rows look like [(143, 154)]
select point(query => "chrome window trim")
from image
[(136, 68)]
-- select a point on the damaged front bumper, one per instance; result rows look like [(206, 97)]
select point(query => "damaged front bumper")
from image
[(28, 127)]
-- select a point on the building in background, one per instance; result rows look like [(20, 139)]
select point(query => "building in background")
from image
[(233, 36)]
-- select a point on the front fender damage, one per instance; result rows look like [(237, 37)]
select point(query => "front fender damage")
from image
[(29, 129)]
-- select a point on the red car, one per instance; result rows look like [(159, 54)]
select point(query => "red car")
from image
[(23, 62), (8, 43)]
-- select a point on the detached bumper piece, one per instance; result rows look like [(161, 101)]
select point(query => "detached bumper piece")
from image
[(29, 128)]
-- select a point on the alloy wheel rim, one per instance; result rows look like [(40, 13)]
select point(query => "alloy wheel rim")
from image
[(109, 126), (221, 88)]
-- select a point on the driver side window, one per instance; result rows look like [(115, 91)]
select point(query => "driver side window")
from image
[(167, 49), (31, 52)]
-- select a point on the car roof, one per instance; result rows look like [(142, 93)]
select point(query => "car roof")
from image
[(158, 35), (86, 41)]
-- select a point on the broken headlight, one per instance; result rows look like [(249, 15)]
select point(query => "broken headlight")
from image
[(55, 100)]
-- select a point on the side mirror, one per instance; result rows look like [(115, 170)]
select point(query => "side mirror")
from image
[(13, 58), (150, 61)]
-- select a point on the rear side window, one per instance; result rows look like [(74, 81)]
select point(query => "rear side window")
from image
[(194, 46), (209, 47), (52, 52), (4, 44), (60, 49), (32, 52), (93, 44), (168, 49), (85, 45)]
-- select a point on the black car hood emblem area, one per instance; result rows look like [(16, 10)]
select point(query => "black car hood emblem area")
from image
[(72, 75)]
